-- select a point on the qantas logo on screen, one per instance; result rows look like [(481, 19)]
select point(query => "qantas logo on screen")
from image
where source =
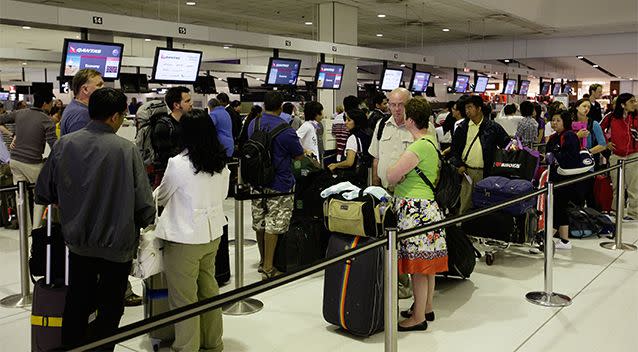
[(73, 50)]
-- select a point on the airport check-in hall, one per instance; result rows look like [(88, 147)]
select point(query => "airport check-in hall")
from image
[(277, 176)]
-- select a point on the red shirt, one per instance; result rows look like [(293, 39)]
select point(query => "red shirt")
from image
[(619, 132)]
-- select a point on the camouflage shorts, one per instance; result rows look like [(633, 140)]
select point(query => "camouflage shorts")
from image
[(272, 214)]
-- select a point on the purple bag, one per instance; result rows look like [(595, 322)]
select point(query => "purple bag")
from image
[(496, 189)]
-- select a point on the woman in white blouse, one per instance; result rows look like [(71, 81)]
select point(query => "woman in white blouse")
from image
[(192, 192), (313, 113)]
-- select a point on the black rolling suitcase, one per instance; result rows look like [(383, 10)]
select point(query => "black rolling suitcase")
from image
[(222, 260), (304, 243), (49, 297), (353, 289), (461, 253)]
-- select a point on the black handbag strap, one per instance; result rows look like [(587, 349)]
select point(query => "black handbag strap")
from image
[(471, 144), (420, 172)]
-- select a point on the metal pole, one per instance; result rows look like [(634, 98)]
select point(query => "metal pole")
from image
[(249, 305), (548, 298), (370, 180), (390, 282), (247, 242), (620, 212), (24, 298)]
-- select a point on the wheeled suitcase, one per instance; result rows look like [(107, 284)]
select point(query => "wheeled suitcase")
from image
[(222, 260), (461, 253), (49, 297), (353, 289), (304, 243), (155, 302), (603, 192), (496, 189)]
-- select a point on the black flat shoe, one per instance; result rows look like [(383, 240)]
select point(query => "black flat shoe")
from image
[(418, 327), (429, 316), (408, 314)]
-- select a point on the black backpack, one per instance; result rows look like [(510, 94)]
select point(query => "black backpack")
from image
[(382, 126), (257, 168), (448, 190)]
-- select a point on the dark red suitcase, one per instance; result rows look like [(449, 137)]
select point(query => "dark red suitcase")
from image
[(603, 192)]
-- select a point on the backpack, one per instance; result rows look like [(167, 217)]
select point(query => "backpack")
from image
[(381, 127), (447, 192), (257, 168), (147, 116)]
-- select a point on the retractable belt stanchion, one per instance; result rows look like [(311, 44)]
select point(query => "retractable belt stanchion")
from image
[(248, 305), (370, 180), (620, 211), (390, 282), (548, 297), (246, 241), (24, 298)]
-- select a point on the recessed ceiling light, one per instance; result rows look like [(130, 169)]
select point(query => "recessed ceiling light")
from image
[(506, 61), (191, 3), (379, 35), (24, 64), (147, 40), (26, 27), (594, 66), (402, 65), (308, 23), (580, 57), (226, 47), (437, 76), (381, 15), (445, 29)]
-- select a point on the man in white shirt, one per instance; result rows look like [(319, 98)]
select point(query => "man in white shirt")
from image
[(509, 120)]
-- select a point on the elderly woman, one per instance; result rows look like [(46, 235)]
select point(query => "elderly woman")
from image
[(424, 255)]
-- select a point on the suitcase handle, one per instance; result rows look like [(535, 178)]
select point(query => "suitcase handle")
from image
[(47, 276)]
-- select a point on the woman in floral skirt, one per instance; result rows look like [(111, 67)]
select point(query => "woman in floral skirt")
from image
[(423, 255)]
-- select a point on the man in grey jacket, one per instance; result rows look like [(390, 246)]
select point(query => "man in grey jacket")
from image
[(98, 181)]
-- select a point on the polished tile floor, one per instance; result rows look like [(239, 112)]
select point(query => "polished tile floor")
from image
[(487, 312)]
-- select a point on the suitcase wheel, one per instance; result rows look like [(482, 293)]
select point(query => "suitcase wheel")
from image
[(489, 258)]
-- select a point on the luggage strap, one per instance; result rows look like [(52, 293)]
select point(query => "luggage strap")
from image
[(344, 286), (47, 322)]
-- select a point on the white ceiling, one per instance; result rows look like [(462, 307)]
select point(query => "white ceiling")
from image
[(409, 23)]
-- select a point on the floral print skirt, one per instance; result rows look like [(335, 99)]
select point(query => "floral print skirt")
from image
[(421, 254)]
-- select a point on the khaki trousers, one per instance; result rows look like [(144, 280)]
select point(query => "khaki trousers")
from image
[(466, 188), (190, 277), (29, 173), (631, 184)]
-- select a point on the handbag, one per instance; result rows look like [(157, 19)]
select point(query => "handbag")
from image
[(148, 261), (586, 162), (361, 216), (521, 163)]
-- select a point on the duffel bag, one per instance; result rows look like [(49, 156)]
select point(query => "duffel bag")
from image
[(358, 217), (496, 189)]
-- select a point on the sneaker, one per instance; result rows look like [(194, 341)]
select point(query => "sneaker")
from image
[(561, 245), (535, 250), (628, 219), (265, 275)]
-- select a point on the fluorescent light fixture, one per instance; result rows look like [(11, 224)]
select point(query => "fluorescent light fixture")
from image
[(594, 66), (437, 76), (402, 65), (507, 61), (379, 35), (445, 29), (580, 57), (226, 47), (26, 27), (147, 39), (191, 3), (381, 15), (308, 23), (24, 64)]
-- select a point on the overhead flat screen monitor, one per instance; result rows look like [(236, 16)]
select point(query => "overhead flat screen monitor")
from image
[(420, 81), (204, 85), (329, 76), (567, 88), (391, 79), (237, 85), (4, 95), (283, 72), (143, 83), (129, 82), (556, 89), (510, 86), (106, 58), (176, 66), (46, 87), (545, 88), (523, 88), (481, 84), (461, 83)]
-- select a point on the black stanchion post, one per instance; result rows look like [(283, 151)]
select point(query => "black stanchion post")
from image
[(249, 305), (390, 282), (247, 242), (548, 297), (620, 212), (24, 298)]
